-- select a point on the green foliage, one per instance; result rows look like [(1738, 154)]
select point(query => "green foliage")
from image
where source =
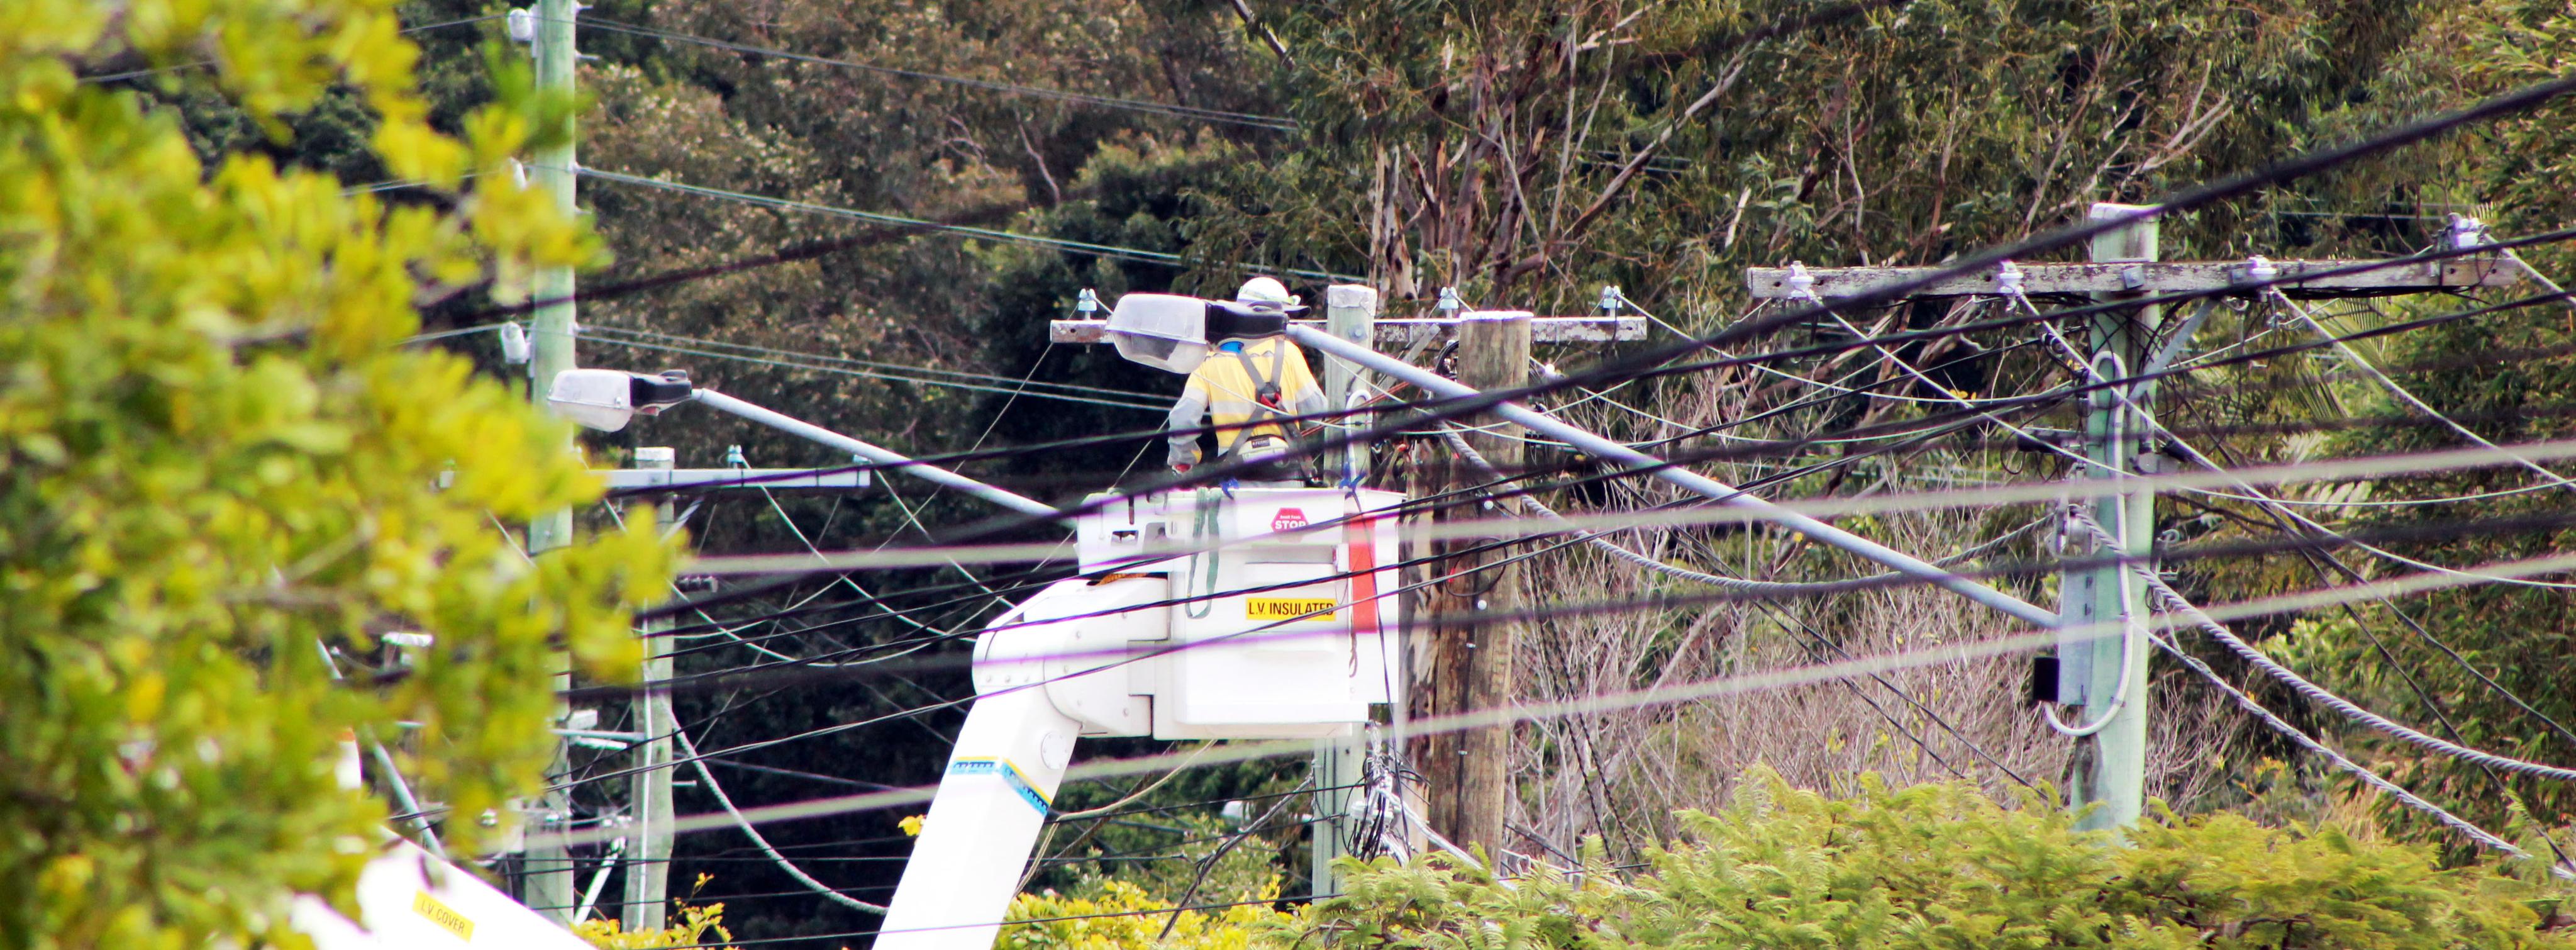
[(1941, 866), (216, 456), (1121, 916), (697, 922)]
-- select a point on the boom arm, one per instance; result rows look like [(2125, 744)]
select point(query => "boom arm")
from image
[(992, 801)]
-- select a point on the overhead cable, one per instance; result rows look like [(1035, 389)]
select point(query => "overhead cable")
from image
[(766, 675), (690, 750), (1478, 460), (1948, 652), (1164, 258), (2174, 604), (1271, 122), (2354, 357), (201, 64), (2483, 837), (870, 374)]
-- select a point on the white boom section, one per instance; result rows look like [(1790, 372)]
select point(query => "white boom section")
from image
[(412, 901), (1724, 494), (1272, 641), (1009, 760)]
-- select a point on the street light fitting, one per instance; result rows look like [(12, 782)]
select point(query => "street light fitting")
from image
[(606, 399)]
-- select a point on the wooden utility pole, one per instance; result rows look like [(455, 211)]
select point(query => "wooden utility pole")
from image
[(548, 882), (1468, 771)]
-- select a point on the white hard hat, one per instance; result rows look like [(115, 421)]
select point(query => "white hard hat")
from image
[(1264, 290)]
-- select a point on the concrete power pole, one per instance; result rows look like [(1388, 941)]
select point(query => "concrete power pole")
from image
[(549, 878), (1350, 312), (2110, 766), (2110, 763), (648, 867), (1468, 770)]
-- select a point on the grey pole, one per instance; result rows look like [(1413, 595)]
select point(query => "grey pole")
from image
[(648, 869), (1350, 312), (2110, 767), (1721, 492), (921, 470), (549, 878)]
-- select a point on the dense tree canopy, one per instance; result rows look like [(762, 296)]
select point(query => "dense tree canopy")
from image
[(218, 453)]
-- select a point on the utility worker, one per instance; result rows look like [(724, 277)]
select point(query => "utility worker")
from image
[(1254, 375)]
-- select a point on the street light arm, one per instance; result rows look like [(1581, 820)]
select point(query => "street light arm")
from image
[(901, 463)]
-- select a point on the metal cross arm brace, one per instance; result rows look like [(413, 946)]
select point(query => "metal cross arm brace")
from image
[(2113, 277), (1410, 331), (772, 479)]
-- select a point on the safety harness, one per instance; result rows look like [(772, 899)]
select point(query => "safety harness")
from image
[(1265, 397)]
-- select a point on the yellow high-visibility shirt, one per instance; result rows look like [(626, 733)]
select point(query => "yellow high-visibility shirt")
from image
[(1222, 389)]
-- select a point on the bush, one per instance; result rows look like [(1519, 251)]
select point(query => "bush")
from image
[(1943, 866), (1122, 915)]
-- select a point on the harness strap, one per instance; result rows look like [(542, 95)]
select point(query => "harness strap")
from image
[(1265, 395)]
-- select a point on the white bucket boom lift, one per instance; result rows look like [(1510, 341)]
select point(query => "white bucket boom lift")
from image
[(1275, 628)]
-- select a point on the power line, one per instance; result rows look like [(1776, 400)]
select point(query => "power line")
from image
[(201, 64), (1463, 405), (843, 371), (690, 749), (1023, 381), (1477, 459), (1142, 255), (2033, 492), (2174, 603), (1121, 655), (1955, 651)]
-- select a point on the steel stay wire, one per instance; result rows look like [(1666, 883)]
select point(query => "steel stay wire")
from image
[(2173, 602)]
